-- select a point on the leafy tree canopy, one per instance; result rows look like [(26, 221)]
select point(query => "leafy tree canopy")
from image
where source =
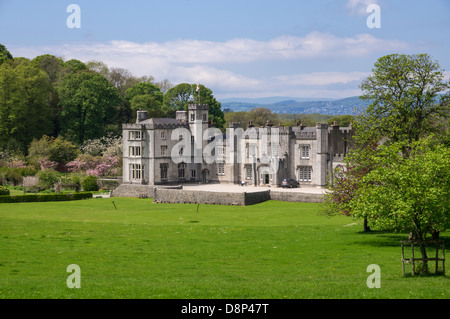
[(89, 102), (4, 54)]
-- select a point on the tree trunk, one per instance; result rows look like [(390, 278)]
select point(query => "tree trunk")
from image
[(424, 268), (366, 227), (434, 235)]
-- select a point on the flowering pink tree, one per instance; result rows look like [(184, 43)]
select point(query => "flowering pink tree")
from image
[(93, 165), (47, 164), (104, 167)]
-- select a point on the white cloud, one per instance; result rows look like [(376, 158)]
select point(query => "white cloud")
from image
[(323, 78), (313, 45), (207, 62)]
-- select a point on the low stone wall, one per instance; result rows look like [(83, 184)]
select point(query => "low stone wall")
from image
[(133, 190), (164, 195), (176, 194), (296, 197)]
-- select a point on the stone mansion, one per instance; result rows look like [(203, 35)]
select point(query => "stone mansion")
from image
[(188, 149)]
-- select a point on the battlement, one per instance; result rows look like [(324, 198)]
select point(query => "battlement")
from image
[(198, 107), (338, 157)]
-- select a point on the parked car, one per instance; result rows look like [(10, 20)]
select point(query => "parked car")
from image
[(289, 182)]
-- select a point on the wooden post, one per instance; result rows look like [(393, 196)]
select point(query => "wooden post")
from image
[(437, 257), (403, 260), (443, 257)]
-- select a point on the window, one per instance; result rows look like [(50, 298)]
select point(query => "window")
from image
[(304, 151), (135, 171), (192, 139), (180, 151), (193, 173), (192, 117), (163, 135), (248, 172), (304, 173), (220, 151), (221, 169), (181, 171), (275, 150), (251, 150), (163, 150), (134, 135), (180, 137), (164, 168), (205, 118), (135, 151)]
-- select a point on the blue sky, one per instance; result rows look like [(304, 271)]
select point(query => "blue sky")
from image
[(245, 48)]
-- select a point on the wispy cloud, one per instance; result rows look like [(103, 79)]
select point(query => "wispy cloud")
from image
[(209, 62), (313, 45)]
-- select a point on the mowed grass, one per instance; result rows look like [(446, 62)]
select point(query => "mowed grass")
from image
[(145, 250)]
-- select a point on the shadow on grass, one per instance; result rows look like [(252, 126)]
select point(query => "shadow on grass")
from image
[(389, 239)]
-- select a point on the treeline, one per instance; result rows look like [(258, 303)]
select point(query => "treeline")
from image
[(77, 101), (259, 116)]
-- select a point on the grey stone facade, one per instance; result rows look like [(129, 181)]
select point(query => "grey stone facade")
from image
[(187, 149)]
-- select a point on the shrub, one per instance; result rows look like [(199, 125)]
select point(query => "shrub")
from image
[(47, 178), (4, 191), (89, 184), (10, 176)]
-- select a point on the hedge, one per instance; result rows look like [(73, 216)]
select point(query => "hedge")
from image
[(44, 198)]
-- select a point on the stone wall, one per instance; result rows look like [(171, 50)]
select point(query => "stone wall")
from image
[(177, 195), (165, 195), (296, 197), (133, 190)]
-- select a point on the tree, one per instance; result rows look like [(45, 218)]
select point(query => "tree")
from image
[(204, 96), (238, 117), (145, 96), (179, 97), (24, 107), (4, 54), (259, 116), (75, 65), (407, 97), (405, 94), (89, 103), (56, 70), (407, 194), (55, 150)]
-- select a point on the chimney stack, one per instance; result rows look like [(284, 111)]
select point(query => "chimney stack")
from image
[(141, 116)]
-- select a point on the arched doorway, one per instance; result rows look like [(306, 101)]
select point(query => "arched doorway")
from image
[(265, 175)]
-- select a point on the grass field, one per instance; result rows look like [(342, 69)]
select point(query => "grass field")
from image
[(145, 250)]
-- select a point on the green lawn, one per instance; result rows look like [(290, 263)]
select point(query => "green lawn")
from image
[(146, 250)]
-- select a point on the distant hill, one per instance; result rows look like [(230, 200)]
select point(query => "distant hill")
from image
[(297, 105), (271, 99)]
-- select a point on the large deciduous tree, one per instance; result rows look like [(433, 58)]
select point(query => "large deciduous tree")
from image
[(408, 95), (389, 173), (24, 107), (407, 194), (179, 96), (145, 96), (89, 103)]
